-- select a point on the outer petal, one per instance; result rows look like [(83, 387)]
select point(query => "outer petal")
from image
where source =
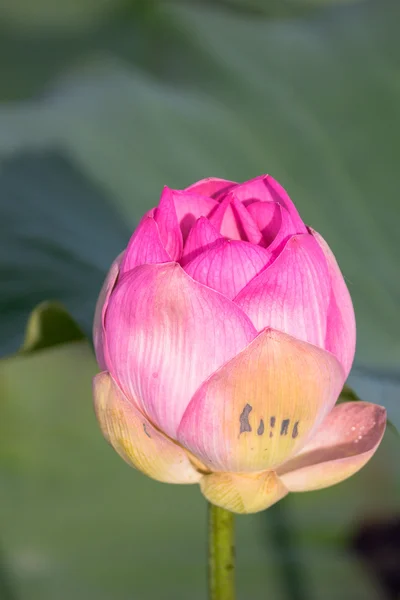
[(135, 439), (228, 266), (261, 407), (101, 307), (167, 221), (144, 247), (166, 334), (189, 207), (202, 237), (293, 293), (234, 222), (244, 493), (345, 441), (341, 327), (211, 186)]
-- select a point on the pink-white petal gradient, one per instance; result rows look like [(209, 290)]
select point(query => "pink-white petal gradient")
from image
[(166, 334), (343, 444), (99, 335), (292, 294), (341, 327), (228, 266)]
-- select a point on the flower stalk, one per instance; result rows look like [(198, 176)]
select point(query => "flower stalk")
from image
[(221, 533)]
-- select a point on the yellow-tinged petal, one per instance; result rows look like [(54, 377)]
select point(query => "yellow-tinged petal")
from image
[(343, 444), (260, 407), (135, 439), (243, 492)]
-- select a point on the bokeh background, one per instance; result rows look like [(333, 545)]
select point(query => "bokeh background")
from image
[(102, 102)]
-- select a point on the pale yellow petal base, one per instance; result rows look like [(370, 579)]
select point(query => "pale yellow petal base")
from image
[(243, 493), (136, 440)]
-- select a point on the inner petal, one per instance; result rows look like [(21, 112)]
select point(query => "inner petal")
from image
[(228, 265), (233, 221)]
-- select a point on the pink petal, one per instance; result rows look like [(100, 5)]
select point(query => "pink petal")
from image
[(144, 247), (292, 294), (189, 207), (343, 444), (234, 222), (166, 334), (253, 190), (274, 222), (211, 186), (202, 237), (228, 266), (243, 493), (132, 435), (341, 327), (260, 408), (167, 221), (101, 307), (276, 193)]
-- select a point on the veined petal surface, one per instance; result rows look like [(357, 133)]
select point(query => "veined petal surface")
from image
[(167, 333), (167, 221), (293, 293), (99, 340), (144, 247), (243, 493), (261, 407), (228, 266), (344, 443), (202, 237), (341, 325), (135, 439)]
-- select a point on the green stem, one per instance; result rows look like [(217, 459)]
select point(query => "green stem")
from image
[(221, 549)]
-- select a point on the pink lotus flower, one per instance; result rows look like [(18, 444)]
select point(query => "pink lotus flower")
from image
[(225, 332)]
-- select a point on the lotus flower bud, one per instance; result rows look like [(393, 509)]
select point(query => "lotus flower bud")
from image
[(225, 332)]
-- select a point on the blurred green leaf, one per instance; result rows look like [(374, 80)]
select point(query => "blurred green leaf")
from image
[(77, 522), (50, 325), (59, 236)]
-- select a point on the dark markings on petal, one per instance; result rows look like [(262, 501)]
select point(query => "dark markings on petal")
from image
[(285, 426), (260, 429), (272, 421), (244, 419), (145, 430), (295, 431)]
